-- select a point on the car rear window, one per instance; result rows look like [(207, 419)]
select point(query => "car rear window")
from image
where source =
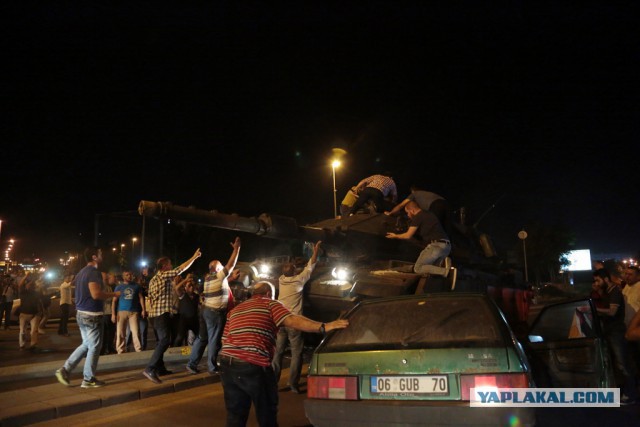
[(419, 323)]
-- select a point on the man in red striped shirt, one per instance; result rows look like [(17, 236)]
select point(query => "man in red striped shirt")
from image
[(248, 345)]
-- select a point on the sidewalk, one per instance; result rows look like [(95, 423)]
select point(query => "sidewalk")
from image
[(32, 393), (46, 402)]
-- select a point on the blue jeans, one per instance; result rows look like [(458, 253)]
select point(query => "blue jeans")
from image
[(431, 256), (296, 342), (244, 383), (162, 326), (91, 330), (209, 335)]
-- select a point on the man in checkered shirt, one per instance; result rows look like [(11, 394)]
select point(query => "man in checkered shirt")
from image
[(376, 188), (161, 299)]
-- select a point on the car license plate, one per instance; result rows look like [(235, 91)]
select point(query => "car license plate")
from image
[(410, 385)]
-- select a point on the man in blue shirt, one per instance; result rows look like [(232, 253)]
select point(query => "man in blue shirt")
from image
[(90, 298), (127, 308)]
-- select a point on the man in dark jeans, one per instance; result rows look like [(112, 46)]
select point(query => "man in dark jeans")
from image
[(9, 291), (612, 314), (245, 358), (161, 298), (213, 312)]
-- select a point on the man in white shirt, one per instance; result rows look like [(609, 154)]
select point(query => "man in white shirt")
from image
[(290, 289), (65, 304), (631, 292)]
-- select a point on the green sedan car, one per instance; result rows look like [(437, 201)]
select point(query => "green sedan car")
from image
[(412, 360)]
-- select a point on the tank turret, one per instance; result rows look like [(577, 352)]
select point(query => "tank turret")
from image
[(359, 237), (359, 261)]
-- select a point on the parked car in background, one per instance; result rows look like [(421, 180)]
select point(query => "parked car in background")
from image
[(54, 310), (412, 360)]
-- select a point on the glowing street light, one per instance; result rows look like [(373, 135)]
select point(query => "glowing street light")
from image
[(335, 164), (121, 248)]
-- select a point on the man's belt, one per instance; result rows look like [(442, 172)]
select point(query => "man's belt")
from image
[(214, 309), (230, 360), (441, 241)]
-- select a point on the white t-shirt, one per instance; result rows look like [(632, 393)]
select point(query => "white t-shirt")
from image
[(631, 295), (290, 289)]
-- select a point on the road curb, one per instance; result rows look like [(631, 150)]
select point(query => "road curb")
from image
[(51, 401), (111, 361)]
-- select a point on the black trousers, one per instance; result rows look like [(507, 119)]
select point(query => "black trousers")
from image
[(64, 319), (369, 193), (5, 312)]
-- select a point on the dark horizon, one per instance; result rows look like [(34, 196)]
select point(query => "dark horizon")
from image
[(527, 111)]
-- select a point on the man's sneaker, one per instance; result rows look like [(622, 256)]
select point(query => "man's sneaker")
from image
[(192, 371), (446, 266), (92, 383), (63, 376), (152, 376)]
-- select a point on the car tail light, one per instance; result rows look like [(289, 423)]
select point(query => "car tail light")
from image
[(489, 382), (343, 388)]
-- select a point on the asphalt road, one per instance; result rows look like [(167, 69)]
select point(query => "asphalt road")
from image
[(204, 405), (199, 406)]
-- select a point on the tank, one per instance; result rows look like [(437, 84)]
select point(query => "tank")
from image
[(357, 260)]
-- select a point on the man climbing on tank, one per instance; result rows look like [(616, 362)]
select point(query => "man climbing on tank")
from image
[(377, 188), (424, 225)]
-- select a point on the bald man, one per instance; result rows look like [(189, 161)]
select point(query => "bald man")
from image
[(248, 345)]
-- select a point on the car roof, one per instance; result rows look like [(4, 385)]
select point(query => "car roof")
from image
[(432, 295)]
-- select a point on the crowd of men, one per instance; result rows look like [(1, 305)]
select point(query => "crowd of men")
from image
[(617, 299), (241, 339), (246, 339)]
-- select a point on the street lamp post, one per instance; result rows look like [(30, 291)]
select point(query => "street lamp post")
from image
[(523, 235), (133, 250), (335, 164)]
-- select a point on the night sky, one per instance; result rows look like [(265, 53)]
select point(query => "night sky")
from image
[(524, 112)]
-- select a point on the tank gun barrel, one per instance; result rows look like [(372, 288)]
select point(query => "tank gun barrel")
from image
[(266, 225)]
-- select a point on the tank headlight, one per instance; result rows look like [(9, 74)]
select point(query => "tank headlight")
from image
[(340, 273)]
